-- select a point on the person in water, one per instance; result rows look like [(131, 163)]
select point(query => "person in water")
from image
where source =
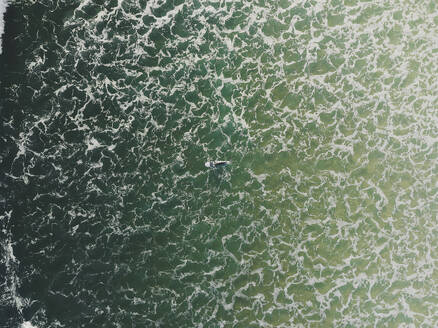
[(216, 164)]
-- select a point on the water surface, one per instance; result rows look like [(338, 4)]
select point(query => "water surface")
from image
[(326, 217)]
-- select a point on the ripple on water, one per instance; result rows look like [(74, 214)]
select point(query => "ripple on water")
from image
[(326, 215)]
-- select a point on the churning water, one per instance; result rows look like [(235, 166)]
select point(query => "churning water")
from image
[(327, 216), (3, 5)]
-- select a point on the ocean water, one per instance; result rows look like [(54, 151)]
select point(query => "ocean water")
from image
[(327, 216), (3, 5)]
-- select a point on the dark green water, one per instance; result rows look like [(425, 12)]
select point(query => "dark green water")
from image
[(327, 216)]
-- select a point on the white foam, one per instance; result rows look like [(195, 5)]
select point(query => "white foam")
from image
[(3, 5), (27, 324), (92, 144)]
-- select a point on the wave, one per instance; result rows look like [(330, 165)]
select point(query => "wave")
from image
[(3, 5)]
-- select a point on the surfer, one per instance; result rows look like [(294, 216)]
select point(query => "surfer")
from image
[(216, 164)]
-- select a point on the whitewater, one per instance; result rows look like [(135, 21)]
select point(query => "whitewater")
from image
[(3, 5), (327, 111)]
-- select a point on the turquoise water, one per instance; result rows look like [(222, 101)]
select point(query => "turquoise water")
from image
[(326, 217)]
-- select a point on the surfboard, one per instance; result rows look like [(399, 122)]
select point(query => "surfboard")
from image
[(216, 164)]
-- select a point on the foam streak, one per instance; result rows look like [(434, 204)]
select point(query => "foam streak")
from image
[(3, 5)]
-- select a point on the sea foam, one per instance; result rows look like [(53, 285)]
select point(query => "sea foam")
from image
[(3, 5)]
